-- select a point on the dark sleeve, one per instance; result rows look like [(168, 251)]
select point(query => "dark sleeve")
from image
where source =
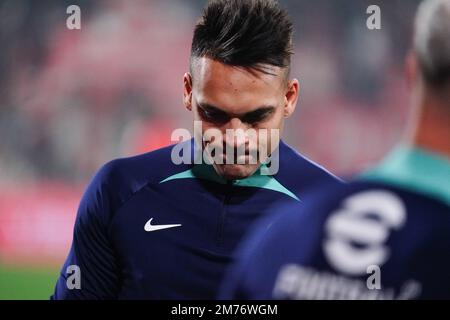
[(233, 287), (91, 251)]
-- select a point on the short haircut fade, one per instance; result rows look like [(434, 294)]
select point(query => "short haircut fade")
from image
[(244, 33)]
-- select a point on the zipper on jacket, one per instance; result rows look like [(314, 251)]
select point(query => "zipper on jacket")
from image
[(223, 213)]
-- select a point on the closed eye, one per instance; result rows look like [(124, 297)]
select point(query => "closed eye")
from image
[(258, 115), (213, 114)]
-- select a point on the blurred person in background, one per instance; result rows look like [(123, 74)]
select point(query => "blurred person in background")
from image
[(148, 228), (386, 235)]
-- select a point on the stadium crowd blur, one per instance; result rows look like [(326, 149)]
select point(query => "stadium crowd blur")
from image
[(71, 100)]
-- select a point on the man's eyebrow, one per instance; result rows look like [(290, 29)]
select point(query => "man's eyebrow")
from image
[(210, 107), (258, 111)]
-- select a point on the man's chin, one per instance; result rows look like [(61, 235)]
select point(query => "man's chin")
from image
[(236, 171)]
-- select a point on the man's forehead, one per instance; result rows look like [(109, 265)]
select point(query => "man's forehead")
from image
[(206, 69), (233, 89)]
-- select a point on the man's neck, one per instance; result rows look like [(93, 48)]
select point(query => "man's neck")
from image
[(432, 125)]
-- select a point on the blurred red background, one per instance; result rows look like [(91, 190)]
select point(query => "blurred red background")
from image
[(71, 100)]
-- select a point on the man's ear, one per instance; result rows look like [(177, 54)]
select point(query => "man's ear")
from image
[(291, 97), (187, 91)]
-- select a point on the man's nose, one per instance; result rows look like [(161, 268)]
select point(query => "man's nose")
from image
[(235, 133), (235, 124)]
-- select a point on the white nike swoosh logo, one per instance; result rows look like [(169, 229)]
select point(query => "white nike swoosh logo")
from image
[(149, 227)]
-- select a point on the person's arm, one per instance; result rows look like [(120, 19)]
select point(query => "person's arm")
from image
[(90, 270)]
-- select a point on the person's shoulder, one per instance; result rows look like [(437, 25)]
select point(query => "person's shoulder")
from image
[(333, 194), (357, 198), (145, 168), (118, 179), (361, 194), (414, 202), (411, 224), (302, 173)]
